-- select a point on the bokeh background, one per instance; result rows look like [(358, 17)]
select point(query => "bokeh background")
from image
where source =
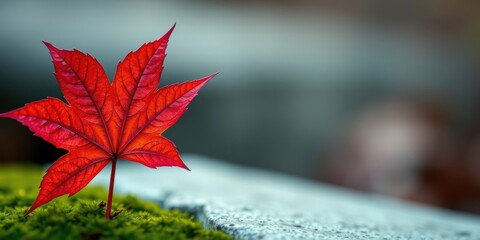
[(377, 96)]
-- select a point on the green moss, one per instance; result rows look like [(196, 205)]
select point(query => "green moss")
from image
[(83, 217)]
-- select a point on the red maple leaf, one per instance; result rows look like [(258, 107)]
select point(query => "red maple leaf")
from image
[(104, 121)]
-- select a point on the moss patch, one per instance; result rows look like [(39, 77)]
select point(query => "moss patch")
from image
[(83, 216)]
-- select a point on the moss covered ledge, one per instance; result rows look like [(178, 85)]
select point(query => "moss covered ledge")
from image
[(83, 215)]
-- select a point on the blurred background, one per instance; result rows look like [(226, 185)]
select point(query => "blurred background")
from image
[(377, 96)]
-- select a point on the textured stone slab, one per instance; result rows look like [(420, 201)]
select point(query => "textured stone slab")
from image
[(254, 204)]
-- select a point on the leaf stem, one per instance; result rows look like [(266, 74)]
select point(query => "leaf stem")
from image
[(110, 190)]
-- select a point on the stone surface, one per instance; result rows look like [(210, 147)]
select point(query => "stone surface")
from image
[(255, 204)]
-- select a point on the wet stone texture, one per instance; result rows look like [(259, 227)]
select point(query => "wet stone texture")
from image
[(253, 204)]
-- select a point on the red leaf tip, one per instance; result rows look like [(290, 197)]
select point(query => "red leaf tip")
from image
[(209, 77), (30, 210), (167, 35), (6, 115), (171, 30), (184, 166), (50, 46)]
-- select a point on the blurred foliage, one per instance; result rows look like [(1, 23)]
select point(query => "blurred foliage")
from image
[(83, 216)]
